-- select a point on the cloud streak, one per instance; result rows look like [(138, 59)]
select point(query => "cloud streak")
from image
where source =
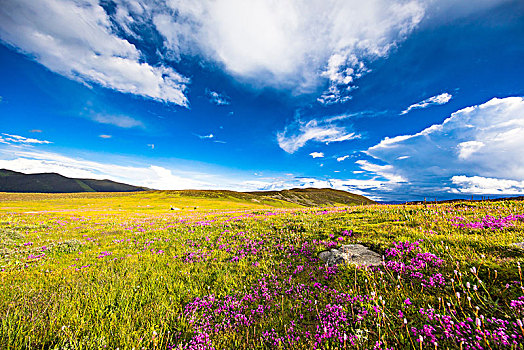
[(432, 101), (17, 139), (122, 121)]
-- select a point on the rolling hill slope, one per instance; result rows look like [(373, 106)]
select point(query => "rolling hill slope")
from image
[(314, 197)]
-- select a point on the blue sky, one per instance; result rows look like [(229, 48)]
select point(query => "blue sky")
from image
[(396, 100)]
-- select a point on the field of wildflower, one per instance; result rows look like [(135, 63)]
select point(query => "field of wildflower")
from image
[(127, 272)]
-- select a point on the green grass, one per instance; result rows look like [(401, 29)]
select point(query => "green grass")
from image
[(91, 271)]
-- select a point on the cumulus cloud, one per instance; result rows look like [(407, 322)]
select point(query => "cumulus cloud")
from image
[(467, 148), (17, 139), (298, 134), (76, 39), (434, 100), (218, 99), (477, 148), (486, 185), (340, 159), (317, 154)]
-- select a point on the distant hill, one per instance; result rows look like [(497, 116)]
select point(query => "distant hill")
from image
[(12, 181), (314, 197), (307, 197)]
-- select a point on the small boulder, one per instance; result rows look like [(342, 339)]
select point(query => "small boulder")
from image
[(351, 254)]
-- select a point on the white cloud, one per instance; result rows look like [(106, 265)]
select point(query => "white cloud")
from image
[(298, 134), (218, 99), (467, 148), (210, 136), (478, 142), (386, 171), (151, 145), (486, 185), (17, 139), (340, 159), (291, 44), (122, 121), (317, 155), (434, 100), (103, 136), (76, 39), (151, 176), (369, 188)]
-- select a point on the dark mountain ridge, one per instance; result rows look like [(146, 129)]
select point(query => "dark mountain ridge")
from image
[(13, 181)]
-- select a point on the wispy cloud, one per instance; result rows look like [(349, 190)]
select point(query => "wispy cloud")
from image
[(35, 130), (386, 171), (299, 133), (317, 155), (103, 136), (151, 145), (203, 137), (340, 159), (122, 121), (17, 139), (434, 100), (218, 99)]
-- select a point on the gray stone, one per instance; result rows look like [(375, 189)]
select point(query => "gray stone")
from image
[(356, 254)]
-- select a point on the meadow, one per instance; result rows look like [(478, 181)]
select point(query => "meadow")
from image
[(124, 271)]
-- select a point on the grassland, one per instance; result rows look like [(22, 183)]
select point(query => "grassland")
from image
[(92, 271)]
